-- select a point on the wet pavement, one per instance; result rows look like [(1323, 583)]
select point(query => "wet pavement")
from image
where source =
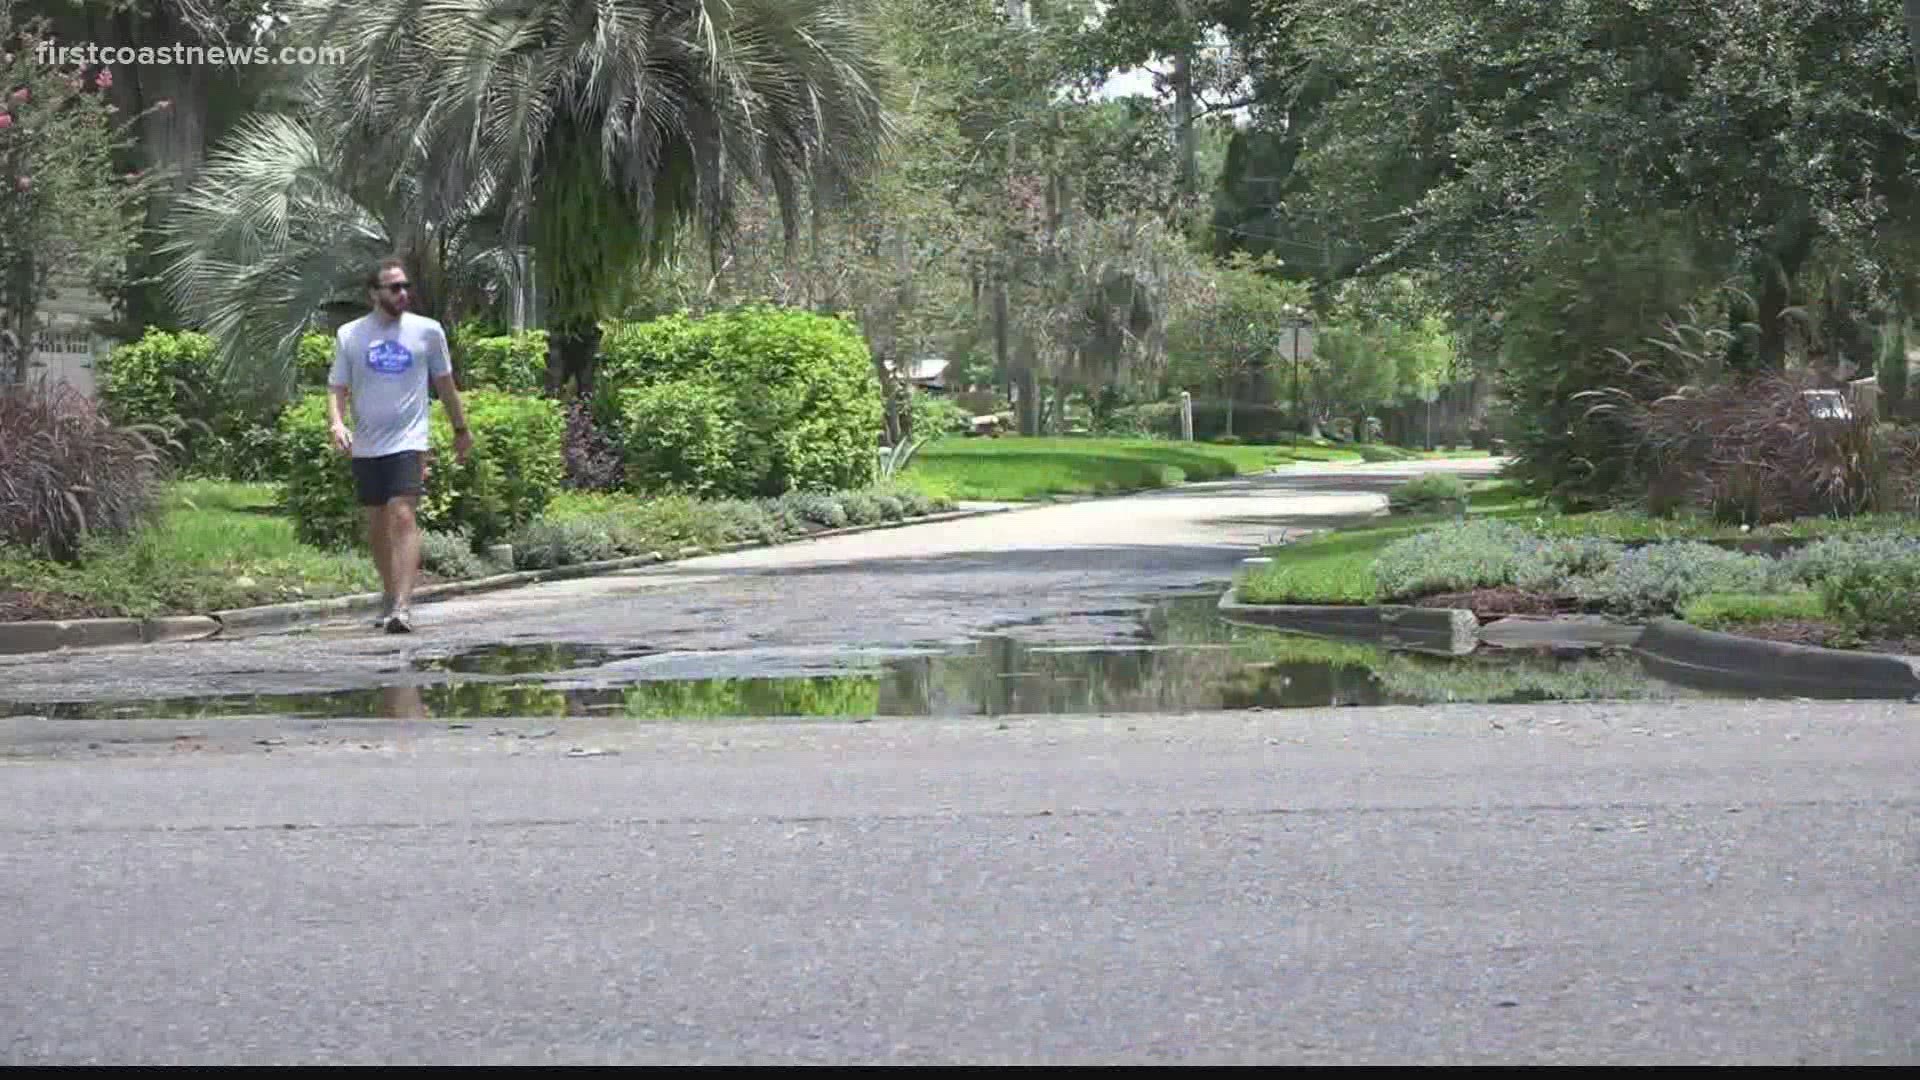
[(1075, 574)]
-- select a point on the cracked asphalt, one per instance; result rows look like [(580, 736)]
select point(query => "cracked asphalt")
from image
[(1680, 883), (1068, 572)]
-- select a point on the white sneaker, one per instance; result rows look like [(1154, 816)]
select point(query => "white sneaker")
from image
[(400, 622)]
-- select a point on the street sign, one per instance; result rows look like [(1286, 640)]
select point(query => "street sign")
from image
[(1296, 341)]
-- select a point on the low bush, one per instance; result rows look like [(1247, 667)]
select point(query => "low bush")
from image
[(1456, 558), (512, 363), (67, 474), (515, 470), (450, 555), (1662, 578), (1428, 494), (597, 528), (1378, 453), (172, 381), (936, 416), (1875, 600)]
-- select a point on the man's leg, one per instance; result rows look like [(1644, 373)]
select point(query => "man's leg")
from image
[(407, 477), (370, 481), (403, 538)]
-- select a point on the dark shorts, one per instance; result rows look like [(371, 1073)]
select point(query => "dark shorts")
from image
[(388, 476)]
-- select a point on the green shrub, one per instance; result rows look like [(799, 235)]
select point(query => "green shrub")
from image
[(514, 363), (936, 416), (862, 507), (1835, 556), (514, 471), (1427, 494), (1662, 578), (314, 359), (1375, 453), (1455, 558), (450, 555), (819, 508), (171, 380), (1556, 563), (545, 544), (1875, 600), (788, 394), (686, 436)]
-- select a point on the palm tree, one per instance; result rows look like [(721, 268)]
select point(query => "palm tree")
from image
[(603, 128), (276, 229)]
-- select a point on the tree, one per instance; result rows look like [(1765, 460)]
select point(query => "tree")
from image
[(611, 127), (184, 107), (277, 229), (1231, 334), (65, 212)]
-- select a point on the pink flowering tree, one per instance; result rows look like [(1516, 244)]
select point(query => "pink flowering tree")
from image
[(65, 212)]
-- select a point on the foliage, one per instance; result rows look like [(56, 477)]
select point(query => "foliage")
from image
[(936, 416), (1229, 337), (515, 469), (515, 363), (1473, 555), (611, 125), (1427, 494), (170, 380), (451, 555), (68, 475), (752, 401), (1756, 450), (595, 460), (611, 530), (63, 205), (1877, 599), (213, 545), (686, 435)]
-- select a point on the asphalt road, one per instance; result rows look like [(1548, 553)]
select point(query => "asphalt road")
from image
[(1073, 572), (1727, 884), (1684, 883)]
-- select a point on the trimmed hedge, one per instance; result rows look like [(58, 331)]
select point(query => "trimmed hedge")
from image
[(511, 362), (756, 401), (515, 469)]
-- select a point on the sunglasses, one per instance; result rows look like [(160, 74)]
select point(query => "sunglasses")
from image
[(397, 286)]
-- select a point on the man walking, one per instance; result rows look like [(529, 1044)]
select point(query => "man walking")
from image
[(384, 361)]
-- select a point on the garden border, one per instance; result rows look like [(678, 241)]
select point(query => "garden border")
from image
[(51, 635), (1667, 648)]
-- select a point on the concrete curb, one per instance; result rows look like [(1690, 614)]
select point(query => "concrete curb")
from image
[(51, 635), (1451, 630), (1708, 659), (1558, 631)]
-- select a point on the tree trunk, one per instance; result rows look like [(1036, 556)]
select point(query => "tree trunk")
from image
[(1776, 294), (572, 348), (1228, 431), (1029, 378), (1183, 99)]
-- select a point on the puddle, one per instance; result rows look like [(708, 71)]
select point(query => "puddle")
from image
[(526, 659), (1185, 659)]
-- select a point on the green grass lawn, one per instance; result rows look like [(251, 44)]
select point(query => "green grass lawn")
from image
[(1727, 611), (1016, 468), (1337, 567), (214, 545)]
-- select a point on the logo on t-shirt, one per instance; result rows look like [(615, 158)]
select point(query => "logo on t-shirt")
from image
[(389, 357)]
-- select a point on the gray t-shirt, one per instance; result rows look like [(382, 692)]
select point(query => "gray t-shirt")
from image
[(385, 367)]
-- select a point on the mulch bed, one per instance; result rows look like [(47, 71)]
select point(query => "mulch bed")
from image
[(1496, 603), (1822, 634), (17, 605)]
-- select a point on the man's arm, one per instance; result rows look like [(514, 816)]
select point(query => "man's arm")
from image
[(441, 368)]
